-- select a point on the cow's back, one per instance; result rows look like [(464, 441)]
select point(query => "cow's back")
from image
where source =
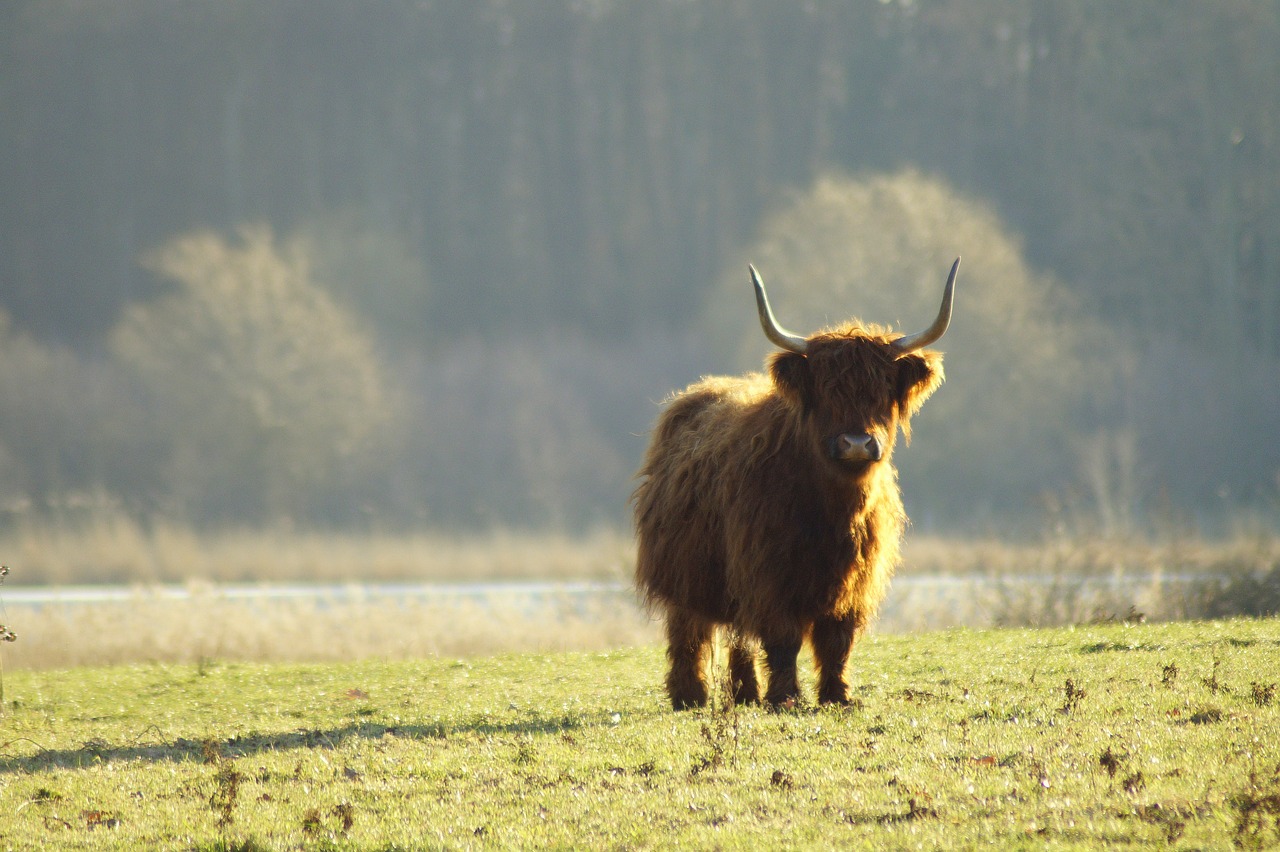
[(678, 513)]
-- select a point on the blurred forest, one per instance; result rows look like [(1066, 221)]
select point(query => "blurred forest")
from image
[(434, 262)]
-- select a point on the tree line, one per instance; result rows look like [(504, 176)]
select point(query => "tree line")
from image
[(508, 196)]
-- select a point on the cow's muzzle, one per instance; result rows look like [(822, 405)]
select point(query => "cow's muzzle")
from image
[(854, 448)]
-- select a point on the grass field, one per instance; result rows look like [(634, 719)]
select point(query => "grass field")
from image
[(1138, 736)]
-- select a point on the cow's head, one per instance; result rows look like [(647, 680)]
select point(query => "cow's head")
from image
[(856, 385)]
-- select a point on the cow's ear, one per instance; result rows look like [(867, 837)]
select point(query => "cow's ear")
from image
[(919, 375), (793, 378)]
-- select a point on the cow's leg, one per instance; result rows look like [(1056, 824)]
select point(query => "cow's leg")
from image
[(742, 670), (784, 685), (688, 641), (832, 639)]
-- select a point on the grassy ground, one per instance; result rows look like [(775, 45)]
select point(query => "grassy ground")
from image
[(1124, 736)]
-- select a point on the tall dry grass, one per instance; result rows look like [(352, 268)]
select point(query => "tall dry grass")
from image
[(1086, 555), (149, 628), (1067, 579), (107, 548), (987, 582), (110, 548)]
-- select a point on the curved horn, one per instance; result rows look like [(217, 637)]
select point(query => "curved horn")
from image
[(911, 342), (780, 337)]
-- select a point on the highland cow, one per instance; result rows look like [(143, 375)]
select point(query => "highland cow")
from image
[(769, 504)]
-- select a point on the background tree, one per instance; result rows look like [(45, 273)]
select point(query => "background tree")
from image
[(70, 434), (1020, 373), (372, 272), (262, 387)]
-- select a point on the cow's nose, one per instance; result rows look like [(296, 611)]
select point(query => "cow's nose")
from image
[(850, 447)]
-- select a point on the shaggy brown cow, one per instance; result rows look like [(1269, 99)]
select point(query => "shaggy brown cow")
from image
[(769, 504)]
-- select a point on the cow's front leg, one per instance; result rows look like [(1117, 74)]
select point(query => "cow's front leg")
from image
[(688, 640), (832, 639), (784, 685)]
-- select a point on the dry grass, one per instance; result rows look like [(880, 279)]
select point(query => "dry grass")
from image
[(985, 582), (110, 548), (210, 626), (1089, 556), (1077, 579)]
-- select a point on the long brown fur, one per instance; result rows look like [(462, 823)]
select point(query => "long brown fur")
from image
[(745, 521)]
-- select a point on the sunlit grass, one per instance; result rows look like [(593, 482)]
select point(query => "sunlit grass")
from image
[(1134, 736)]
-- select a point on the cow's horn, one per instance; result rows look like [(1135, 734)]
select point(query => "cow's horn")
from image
[(780, 337), (911, 342)]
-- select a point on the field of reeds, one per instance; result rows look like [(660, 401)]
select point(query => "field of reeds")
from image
[(944, 582)]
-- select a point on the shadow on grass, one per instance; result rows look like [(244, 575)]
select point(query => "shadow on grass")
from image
[(98, 752)]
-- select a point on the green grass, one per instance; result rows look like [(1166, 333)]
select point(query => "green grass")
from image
[(1125, 736)]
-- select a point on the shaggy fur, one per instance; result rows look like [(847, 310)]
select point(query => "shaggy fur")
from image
[(745, 519)]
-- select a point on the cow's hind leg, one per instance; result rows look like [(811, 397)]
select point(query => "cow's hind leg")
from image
[(784, 684), (688, 642), (742, 670), (832, 640)]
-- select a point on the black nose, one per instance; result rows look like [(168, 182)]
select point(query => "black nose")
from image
[(852, 447)]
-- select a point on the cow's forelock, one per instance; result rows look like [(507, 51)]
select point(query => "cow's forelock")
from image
[(855, 374), (847, 387)]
